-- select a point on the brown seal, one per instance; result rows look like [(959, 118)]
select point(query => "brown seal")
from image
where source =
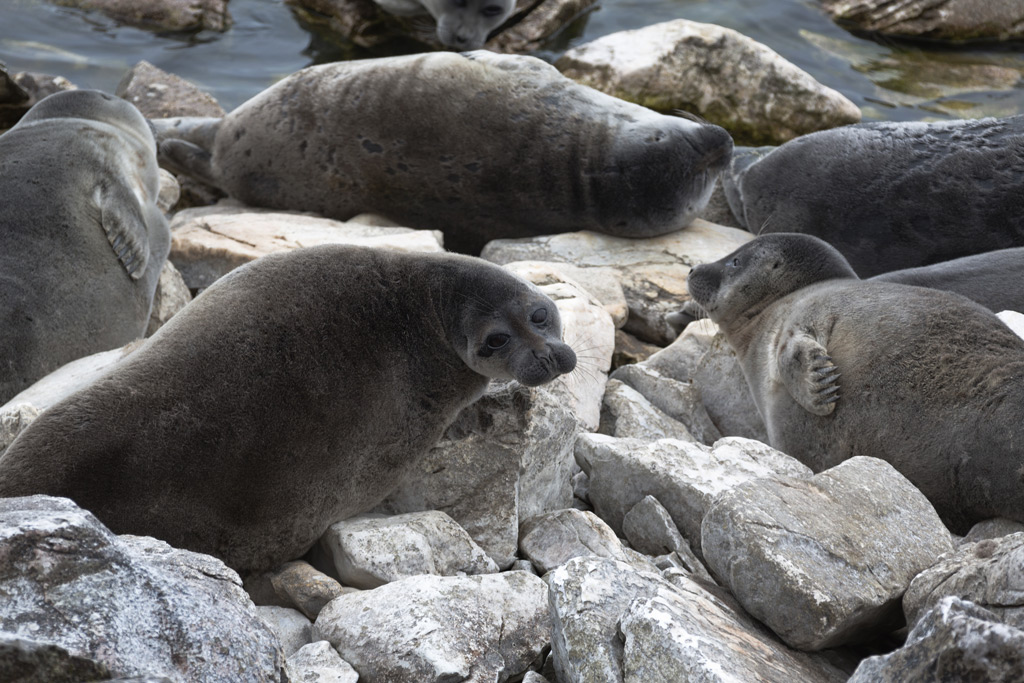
[(294, 392), (927, 380)]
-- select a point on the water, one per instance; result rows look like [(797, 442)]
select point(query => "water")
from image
[(886, 79)]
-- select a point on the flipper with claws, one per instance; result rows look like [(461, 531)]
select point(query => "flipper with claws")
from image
[(809, 374)]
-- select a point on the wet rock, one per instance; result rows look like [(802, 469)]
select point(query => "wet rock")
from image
[(614, 624), (23, 660), (653, 271), (364, 23), (824, 560), (552, 539), (684, 477), (209, 242), (955, 20), (507, 457), (172, 295), (987, 573), (954, 641), (714, 72), (291, 627), (371, 550), (627, 414), (160, 95), (131, 603), (432, 629), (319, 663), (166, 15)]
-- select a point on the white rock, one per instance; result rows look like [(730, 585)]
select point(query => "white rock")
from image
[(684, 477), (210, 241), (715, 72), (627, 414), (371, 550), (604, 284), (1013, 320), (682, 401), (319, 663), (823, 561), (552, 539), (171, 296), (653, 271), (290, 626), (434, 629)]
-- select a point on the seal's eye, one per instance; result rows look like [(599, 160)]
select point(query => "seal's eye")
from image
[(491, 11), (496, 341), (540, 315)]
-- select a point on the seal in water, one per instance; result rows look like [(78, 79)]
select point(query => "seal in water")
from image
[(82, 241), (890, 195), (927, 380), (484, 146), (462, 24), (294, 392)]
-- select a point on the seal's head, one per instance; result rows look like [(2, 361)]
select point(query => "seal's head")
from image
[(93, 105), (741, 285), (510, 330), (465, 24)]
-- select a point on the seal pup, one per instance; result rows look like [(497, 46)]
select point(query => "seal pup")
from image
[(890, 195), (461, 24), (82, 240), (927, 380), (484, 146), (294, 392)]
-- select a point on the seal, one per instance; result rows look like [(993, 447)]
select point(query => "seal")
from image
[(461, 24), (294, 392), (82, 241), (927, 380), (890, 196), (484, 146)]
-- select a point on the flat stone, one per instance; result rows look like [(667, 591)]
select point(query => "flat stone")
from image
[(714, 72), (824, 560), (684, 477)]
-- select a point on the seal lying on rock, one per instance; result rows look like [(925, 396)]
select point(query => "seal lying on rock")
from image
[(890, 195), (483, 146), (294, 392), (82, 241), (927, 380), (462, 24)]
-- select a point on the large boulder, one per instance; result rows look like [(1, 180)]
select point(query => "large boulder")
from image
[(161, 15), (825, 560), (714, 72), (133, 604), (436, 629), (956, 20)]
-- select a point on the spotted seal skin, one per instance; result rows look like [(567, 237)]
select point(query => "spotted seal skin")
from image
[(461, 24), (294, 392), (927, 380), (82, 240), (484, 146), (890, 196)]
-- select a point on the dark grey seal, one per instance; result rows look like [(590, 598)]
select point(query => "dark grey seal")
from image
[(478, 145), (82, 241), (927, 380), (294, 392), (890, 196)]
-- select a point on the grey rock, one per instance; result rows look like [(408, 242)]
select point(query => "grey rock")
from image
[(627, 414), (523, 566), (681, 401), (294, 584), (717, 210), (371, 550), (955, 641), (649, 528), (552, 539), (319, 663), (23, 660), (131, 603), (989, 573), (652, 271), (507, 457), (171, 296), (992, 528), (534, 677), (18, 93), (954, 20), (684, 477), (434, 629), (715, 72), (601, 283), (629, 350), (615, 624), (160, 95), (166, 15), (823, 560), (291, 626)]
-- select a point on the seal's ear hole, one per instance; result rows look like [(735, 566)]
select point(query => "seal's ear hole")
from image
[(539, 316), (734, 262), (776, 265), (497, 341)]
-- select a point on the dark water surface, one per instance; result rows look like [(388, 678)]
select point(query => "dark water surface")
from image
[(887, 80)]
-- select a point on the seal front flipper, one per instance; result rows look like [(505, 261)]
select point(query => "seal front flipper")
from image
[(125, 227), (808, 372)]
